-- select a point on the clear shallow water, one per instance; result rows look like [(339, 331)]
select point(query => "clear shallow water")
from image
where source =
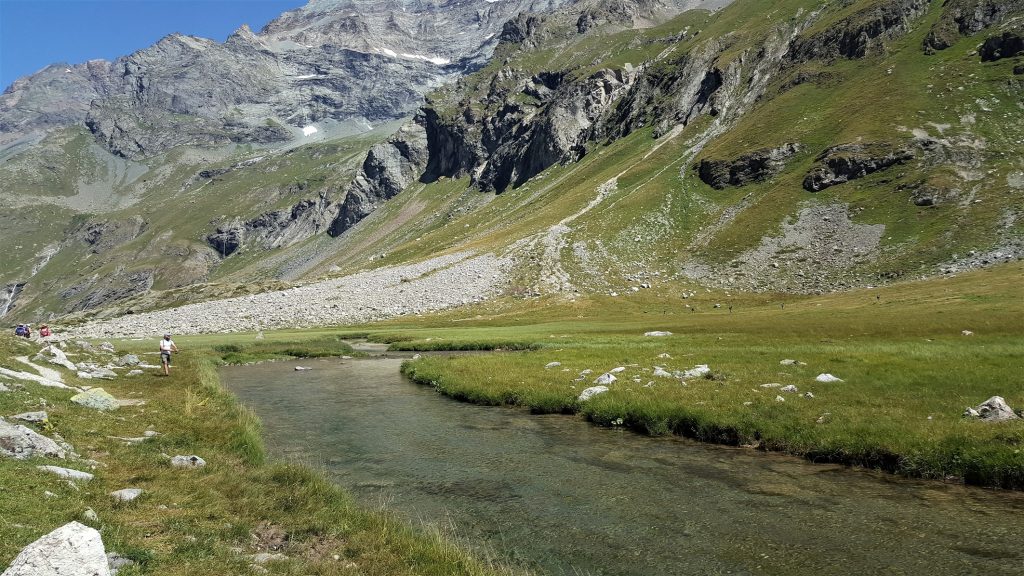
[(563, 497)]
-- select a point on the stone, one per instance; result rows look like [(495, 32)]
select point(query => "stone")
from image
[(128, 360), (264, 557), (825, 377), (966, 333), (780, 399), (791, 362), (40, 416), (97, 399), (107, 347), (115, 561), (55, 355), (550, 365), (808, 395), (660, 372), (72, 550), (605, 379), (67, 473), (665, 356), (20, 442), (617, 369), (4, 388), (135, 372), (591, 392), (83, 345), (90, 515), (126, 494), (771, 385), (790, 389), (658, 333), (192, 461), (302, 368), (698, 371), (995, 409)]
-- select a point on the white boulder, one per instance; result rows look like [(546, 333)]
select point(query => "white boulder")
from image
[(20, 442), (74, 549), (698, 371), (126, 494), (592, 391), (97, 399), (995, 409), (192, 461), (67, 473), (605, 379), (827, 378)]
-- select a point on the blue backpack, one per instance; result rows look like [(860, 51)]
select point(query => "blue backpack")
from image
[(20, 330)]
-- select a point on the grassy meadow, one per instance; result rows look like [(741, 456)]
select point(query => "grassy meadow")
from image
[(210, 520)]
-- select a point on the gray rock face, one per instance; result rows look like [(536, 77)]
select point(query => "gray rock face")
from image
[(274, 229), (967, 18), (103, 235), (19, 442), (389, 167), (1005, 45), (331, 61), (71, 550), (846, 162), (753, 167), (861, 33)]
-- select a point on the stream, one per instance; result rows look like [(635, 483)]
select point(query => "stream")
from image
[(557, 495)]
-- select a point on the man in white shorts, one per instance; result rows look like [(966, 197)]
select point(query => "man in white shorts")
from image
[(166, 347)]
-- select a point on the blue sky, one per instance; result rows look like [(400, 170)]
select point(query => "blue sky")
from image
[(34, 33)]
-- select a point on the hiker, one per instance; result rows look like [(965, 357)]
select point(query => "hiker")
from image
[(44, 331), (20, 331), (166, 347)]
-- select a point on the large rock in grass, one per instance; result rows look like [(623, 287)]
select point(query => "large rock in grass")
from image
[(55, 355), (995, 409), (591, 392), (97, 399), (20, 442), (74, 549)]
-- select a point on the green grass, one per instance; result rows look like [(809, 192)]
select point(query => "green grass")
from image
[(205, 521), (908, 372)]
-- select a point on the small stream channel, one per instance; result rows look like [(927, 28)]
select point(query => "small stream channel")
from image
[(560, 496)]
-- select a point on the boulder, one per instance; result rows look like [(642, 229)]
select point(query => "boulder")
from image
[(756, 166), (192, 461), (126, 494), (40, 416), (698, 371), (97, 399), (67, 473), (550, 365), (107, 347), (604, 380), (790, 389), (660, 372), (657, 333), (71, 550), (826, 377), (55, 355), (20, 442), (128, 360), (994, 409), (592, 391), (90, 515)]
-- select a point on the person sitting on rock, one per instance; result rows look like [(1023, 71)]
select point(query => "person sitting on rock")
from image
[(166, 347), (44, 331)]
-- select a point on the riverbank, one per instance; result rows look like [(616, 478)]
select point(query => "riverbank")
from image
[(909, 360), (238, 514)]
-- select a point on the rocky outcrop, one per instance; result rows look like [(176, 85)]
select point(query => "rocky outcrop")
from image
[(995, 409), (559, 133), (753, 167), (103, 235), (99, 291), (388, 168), (20, 442), (325, 62), (846, 162), (862, 33), (524, 29), (274, 229), (1005, 45), (967, 18), (8, 296), (72, 549)]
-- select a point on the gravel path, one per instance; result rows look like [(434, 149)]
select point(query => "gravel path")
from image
[(439, 283)]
